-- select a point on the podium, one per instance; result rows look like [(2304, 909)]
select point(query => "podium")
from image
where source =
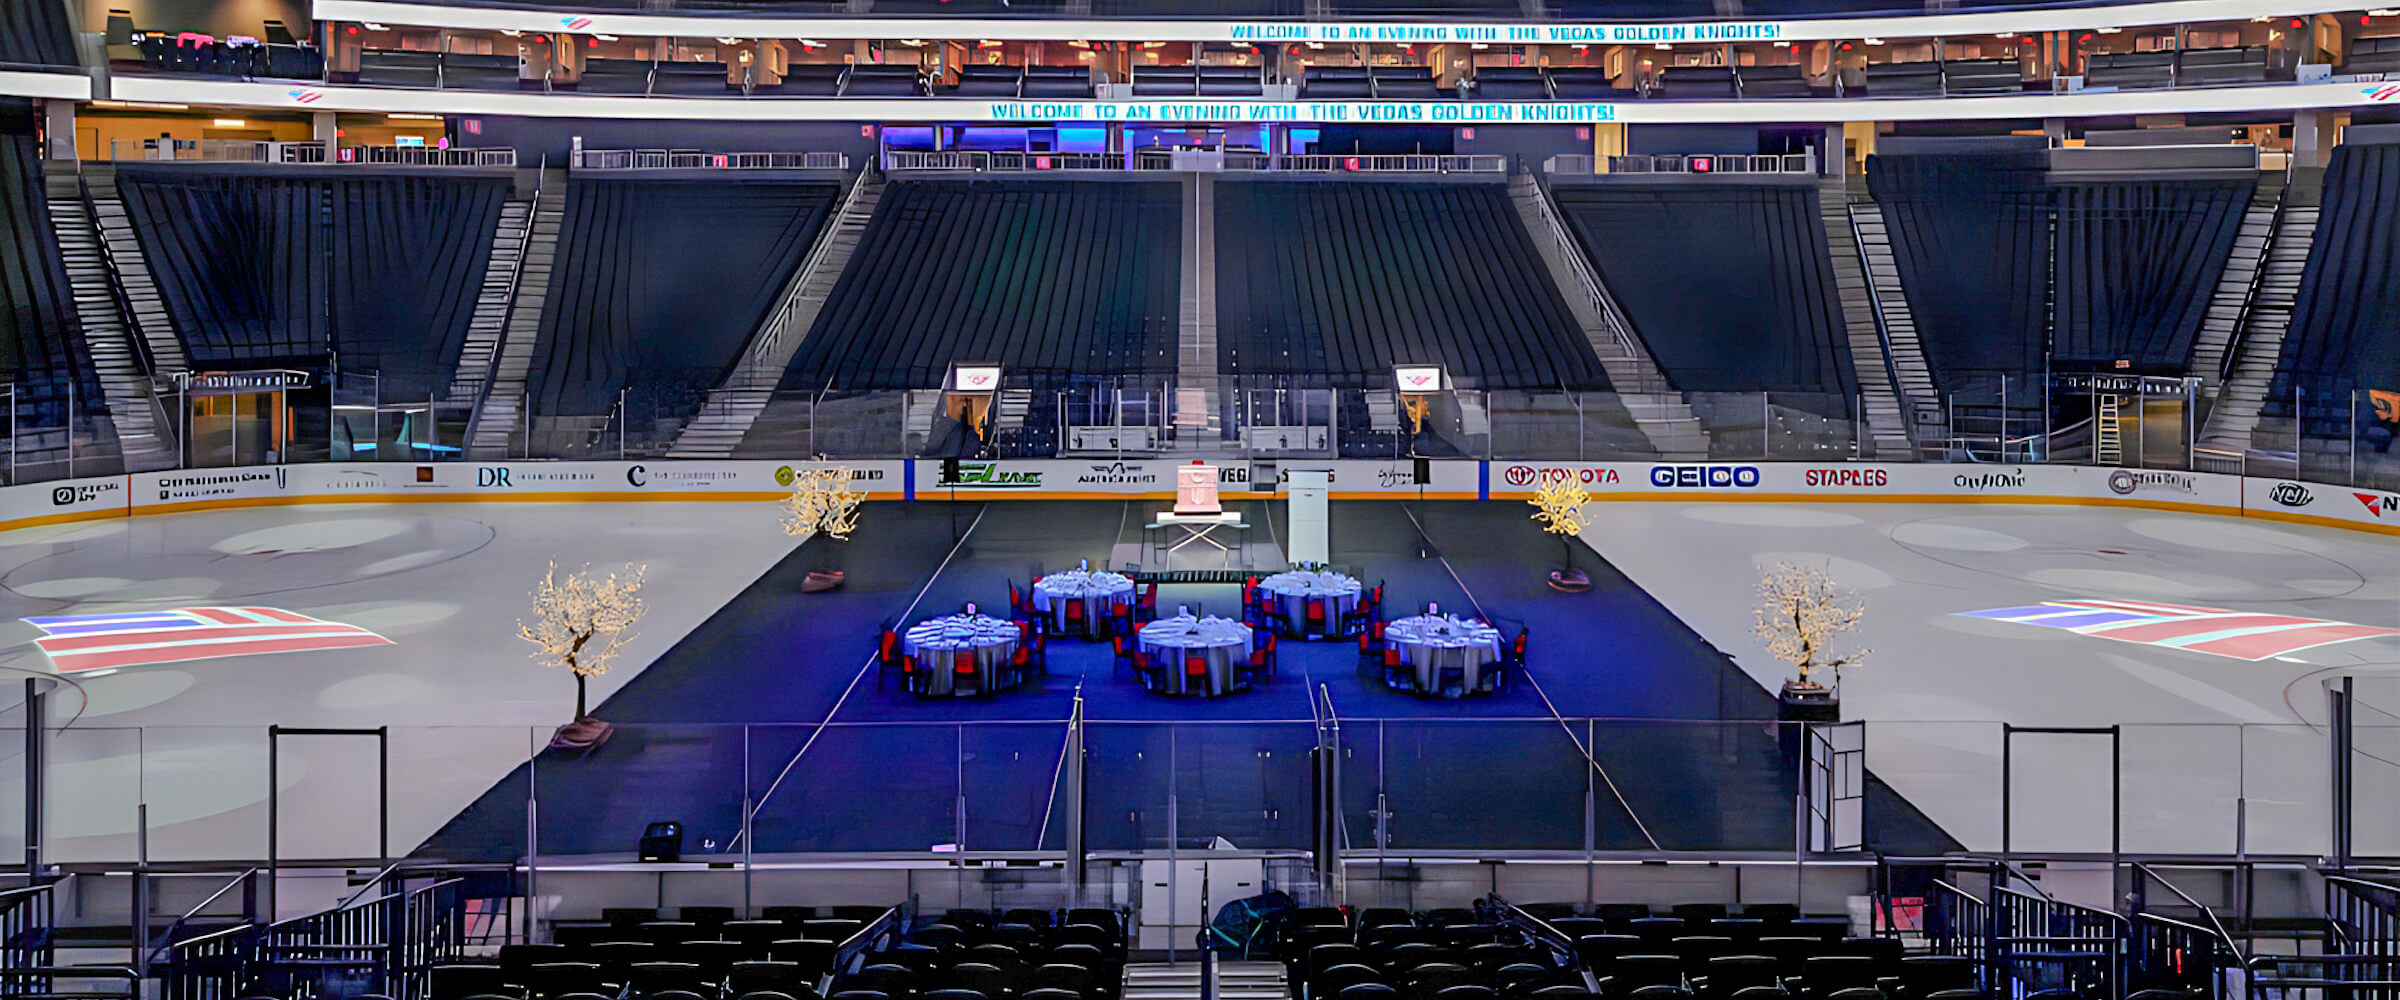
[(1196, 489)]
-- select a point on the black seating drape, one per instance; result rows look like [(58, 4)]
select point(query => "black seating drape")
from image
[(2136, 264), (1343, 281), (34, 32), (1729, 285), (365, 271), (2345, 332), (661, 283), (1970, 237), (41, 341), (1046, 278)]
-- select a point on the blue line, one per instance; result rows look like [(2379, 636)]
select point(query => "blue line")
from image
[(1483, 480), (908, 479)]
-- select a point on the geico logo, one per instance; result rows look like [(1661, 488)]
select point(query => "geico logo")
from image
[(1688, 477), (1848, 477)]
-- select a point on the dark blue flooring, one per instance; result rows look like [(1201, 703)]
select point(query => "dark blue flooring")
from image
[(1685, 759)]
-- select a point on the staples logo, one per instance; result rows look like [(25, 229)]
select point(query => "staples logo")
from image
[(2376, 503), (575, 23), (305, 96)]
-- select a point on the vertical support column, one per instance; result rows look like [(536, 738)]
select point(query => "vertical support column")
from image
[(1078, 872), (322, 128), (58, 130), (2339, 726), (37, 715), (2314, 134)]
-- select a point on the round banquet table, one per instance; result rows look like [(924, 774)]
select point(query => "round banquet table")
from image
[(1096, 590), (1438, 645), (936, 643), (1169, 642), (1287, 596)]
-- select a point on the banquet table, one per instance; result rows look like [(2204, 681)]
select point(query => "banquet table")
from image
[(1435, 645), (1287, 596), (936, 643), (1096, 590), (1225, 643)]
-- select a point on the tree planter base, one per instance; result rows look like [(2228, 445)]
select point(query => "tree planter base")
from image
[(1808, 703), (584, 734), (822, 581), (1571, 581)]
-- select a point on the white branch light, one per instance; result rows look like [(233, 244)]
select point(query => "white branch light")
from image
[(1801, 612), (582, 620)]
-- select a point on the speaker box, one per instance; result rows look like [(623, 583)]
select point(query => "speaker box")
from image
[(662, 841)]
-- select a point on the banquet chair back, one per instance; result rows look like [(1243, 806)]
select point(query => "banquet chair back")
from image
[(1314, 621), (1195, 672), (962, 664), (1075, 622), (1145, 608), (887, 653)]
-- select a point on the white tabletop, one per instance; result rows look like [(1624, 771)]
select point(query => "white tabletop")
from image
[(1310, 583), (1083, 583), (1442, 631), (961, 632), (1186, 632)]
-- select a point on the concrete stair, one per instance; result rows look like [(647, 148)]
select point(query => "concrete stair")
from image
[(2226, 439), (487, 326), (732, 409), (1161, 981), (1251, 981), (1886, 432), (1659, 411), (500, 415), (117, 359), (1895, 325)]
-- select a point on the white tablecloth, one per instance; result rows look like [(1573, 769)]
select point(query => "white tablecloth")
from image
[(1223, 641), (1437, 644), (1097, 591), (936, 642), (1287, 596)]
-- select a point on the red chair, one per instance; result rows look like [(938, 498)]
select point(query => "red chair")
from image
[(887, 654), (965, 671), (1370, 640), (1140, 662), (1262, 660), (1195, 674), (1370, 607), (1395, 673), (1315, 623), (1016, 601), (1145, 608), (911, 680), (1032, 647), (1020, 663), (1124, 653), (1120, 617), (1075, 623)]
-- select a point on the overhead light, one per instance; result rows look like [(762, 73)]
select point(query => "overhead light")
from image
[(1480, 45), (372, 26), (144, 105), (511, 32), (2262, 19), (2110, 31), (914, 43), (1079, 45), (2384, 12), (1154, 45), (2005, 35), (605, 38), (1662, 46), (1316, 45), (1783, 45), (729, 41), (232, 123), (811, 43), (1872, 41), (414, 118)]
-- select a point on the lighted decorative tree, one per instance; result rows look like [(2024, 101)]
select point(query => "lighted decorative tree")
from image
[(1559, 507), (581, 621), (822, 503), (1801, 613)]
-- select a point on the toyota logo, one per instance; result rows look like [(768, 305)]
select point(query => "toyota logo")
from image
[(1518, 475)]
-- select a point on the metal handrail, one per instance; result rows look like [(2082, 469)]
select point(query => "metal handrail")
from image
[(688, 159), (169, 932), (516, 276), (2203, 908), (1613, 320)]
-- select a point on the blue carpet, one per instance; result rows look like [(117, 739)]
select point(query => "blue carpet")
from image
[(838, 763)]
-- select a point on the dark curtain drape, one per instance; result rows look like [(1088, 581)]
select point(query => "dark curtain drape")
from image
[(1729, 285), (1347, 280), (36, 32), (370, 272), (661, 283), (1969, 235), (41, 341), (2136, 264), (1047, 278), (2345, 332)]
